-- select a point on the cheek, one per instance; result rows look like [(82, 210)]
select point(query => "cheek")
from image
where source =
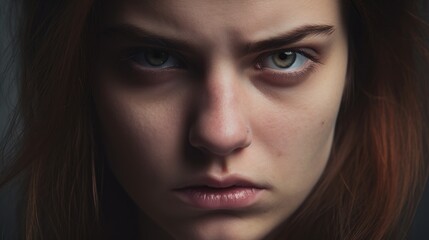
[(141, 138), (297, 134), (299, 146)]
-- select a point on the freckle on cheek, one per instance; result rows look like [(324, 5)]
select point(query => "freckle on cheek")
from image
[(323, 123)]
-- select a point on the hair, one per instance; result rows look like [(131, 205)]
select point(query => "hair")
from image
[(372, 183)]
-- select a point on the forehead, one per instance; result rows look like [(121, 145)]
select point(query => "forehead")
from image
[(209, 19)]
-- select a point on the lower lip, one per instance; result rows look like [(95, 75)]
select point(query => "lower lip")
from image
[(220, 198)]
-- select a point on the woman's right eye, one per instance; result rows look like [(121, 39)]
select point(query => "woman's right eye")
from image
[(155, 58)]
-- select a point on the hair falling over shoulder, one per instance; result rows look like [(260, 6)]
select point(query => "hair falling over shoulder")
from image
[(369, 190)]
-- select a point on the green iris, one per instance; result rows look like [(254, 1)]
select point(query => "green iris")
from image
[(284, 59)]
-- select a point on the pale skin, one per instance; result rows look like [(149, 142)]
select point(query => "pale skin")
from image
[(219, 106)]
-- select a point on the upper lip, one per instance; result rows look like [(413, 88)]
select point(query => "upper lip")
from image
[(220, 182)]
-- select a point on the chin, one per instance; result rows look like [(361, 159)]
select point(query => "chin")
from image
[(232, 235), (226, 229)]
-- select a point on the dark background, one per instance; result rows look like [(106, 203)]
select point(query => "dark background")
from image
[(9, 195)]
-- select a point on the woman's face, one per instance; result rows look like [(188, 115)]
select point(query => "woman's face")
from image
[(218, 116)]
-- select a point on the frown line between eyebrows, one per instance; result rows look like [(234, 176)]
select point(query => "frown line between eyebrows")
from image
[(143, 36)]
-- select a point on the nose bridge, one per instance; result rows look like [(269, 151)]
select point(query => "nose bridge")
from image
[(221, 95), (221, 126)]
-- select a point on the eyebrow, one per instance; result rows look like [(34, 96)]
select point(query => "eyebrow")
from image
[(143, 36), (288, 38)]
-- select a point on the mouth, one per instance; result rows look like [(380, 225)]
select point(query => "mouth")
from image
[(215, 194)]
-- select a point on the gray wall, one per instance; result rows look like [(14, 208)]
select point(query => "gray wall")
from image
[(6, 100), (9, 193)]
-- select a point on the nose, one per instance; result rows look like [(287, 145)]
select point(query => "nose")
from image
[(220, 126)]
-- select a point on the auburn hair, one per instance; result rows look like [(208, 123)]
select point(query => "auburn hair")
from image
[(369, 190)]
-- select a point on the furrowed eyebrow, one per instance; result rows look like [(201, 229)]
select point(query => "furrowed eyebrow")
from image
[(289, 38), (143, 36)]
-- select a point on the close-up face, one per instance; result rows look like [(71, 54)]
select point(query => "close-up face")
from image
[(218, 117)]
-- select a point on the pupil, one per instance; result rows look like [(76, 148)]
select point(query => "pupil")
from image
[(156, 58), (284, 59), (284, 55)]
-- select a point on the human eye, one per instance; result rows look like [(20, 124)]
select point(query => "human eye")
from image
[(153, 58), (286, 66), (287, 60)]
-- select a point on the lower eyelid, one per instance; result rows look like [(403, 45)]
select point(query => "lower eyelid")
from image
[(139, 69), (284, 78)]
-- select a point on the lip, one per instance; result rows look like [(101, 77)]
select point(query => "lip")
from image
[(220, 193)]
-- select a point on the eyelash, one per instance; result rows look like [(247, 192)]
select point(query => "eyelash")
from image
[(288, 77), (299, 52), (133, 55)]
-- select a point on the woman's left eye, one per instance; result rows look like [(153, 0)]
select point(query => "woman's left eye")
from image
[(155, 58), (284, 60)]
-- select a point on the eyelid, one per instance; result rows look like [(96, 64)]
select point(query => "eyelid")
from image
[(133, 51), (306, 52), (286, 77)]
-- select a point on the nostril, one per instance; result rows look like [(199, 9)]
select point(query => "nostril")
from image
[(220, 143), (219, 123)]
